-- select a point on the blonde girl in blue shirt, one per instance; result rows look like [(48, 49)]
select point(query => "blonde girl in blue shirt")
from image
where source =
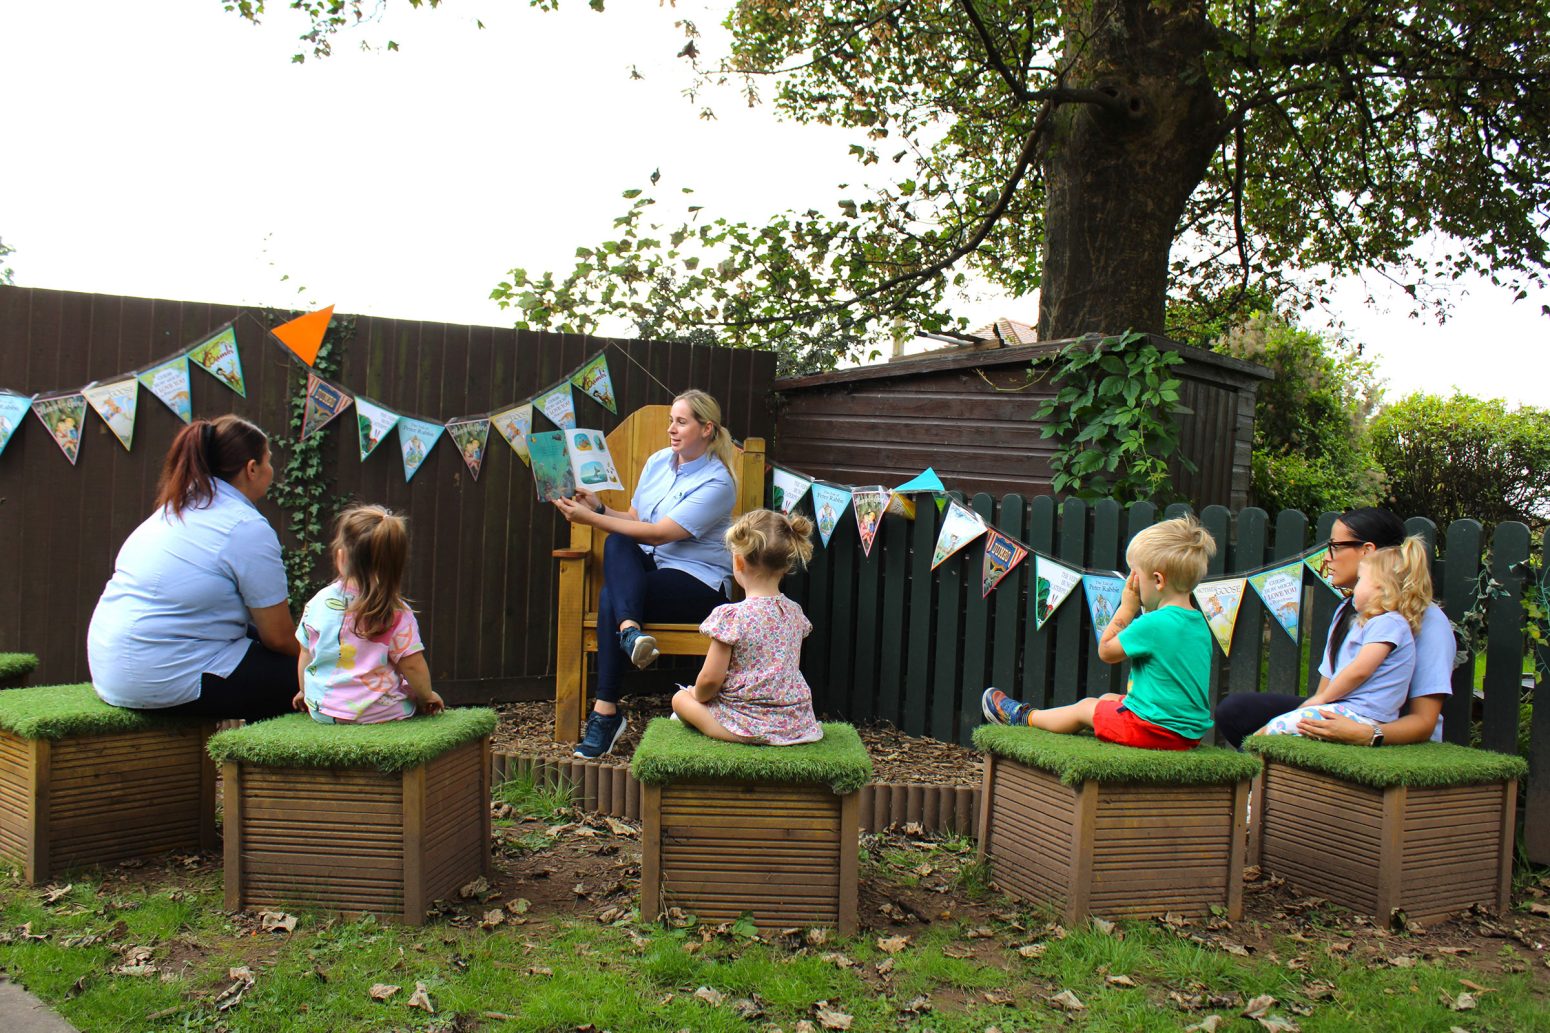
[(665, 558)]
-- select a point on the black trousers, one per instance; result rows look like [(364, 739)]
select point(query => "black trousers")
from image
[(261, 686), (1241, 715)]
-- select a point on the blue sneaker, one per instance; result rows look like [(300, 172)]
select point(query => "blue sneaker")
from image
[(1001, 709), (640, 647), (603, 731)]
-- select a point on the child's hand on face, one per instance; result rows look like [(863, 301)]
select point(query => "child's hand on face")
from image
[(1131, 597)]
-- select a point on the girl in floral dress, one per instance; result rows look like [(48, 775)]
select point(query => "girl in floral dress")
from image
[(751, 689)]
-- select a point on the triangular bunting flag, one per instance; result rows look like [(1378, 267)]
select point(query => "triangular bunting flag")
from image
[(169, 382), (593, 379), (1052, 582), (829, 502), (304, 334), (471, 437), (1219, 602), (1001, 555), (556, 403), (372, 422), (515, 424), (1281, 592), (1103, 594), (869, 504), (902, 505), (926, 480), (115, 403), (960, 527), (324, 402), (63, 416), (218, 357), (1318, 562), (12, 409), (787, 488), (416, 438), (940, 499)]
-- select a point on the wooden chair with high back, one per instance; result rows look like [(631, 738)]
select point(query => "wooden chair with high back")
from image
[(631, 443)]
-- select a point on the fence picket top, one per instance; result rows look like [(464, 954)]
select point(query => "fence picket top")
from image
[(1070, 621), (917, 678), (896, 545), (1457, 589), (1536, 834), (1104, 553), (1504, 638), (1282, 672), (1324, 603), (1038, 643), (976, 623), (1008, 607), (1248, 638)]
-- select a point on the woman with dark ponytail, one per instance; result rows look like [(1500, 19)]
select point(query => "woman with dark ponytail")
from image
[(1358, 534), (194, 619)]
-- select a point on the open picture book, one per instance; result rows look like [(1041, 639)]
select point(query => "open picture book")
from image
[(564, 460)]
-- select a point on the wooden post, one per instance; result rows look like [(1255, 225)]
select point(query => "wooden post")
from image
[(850, 816), (485, 788), (231, 832), (983, 835), (36, 861), (570, 661), (1235, 851), (1083, 826), (414, 844), (651, 853), (1257, 817), (207, 836), (1391, 854), (1509, 827)]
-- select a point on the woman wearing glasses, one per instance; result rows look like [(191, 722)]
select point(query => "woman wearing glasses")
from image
[(1357, 534)]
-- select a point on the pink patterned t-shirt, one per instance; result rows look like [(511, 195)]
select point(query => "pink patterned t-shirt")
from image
[(350, 678)]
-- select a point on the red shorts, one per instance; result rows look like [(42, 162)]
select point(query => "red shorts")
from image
[(1113, 723)]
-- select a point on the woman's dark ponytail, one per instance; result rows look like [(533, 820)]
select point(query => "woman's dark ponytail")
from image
[(203, 451), (1378, 526)]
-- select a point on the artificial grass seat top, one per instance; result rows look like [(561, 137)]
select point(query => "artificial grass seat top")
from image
[(1081, 758), (297, 741), (671, 751), (58, 711), (14, 665), (1430, 765)]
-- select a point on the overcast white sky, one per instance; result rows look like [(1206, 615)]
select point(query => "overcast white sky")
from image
[(169, 149)]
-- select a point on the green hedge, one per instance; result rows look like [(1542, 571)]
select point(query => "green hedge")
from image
[(56, 711), (1425, 765), (1081, 758), (670, 751), (297, 741)]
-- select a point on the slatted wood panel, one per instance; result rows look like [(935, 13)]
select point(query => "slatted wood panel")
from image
[(784, 853), (1322, 834), (1452, 850), (1028, 834), (480, 569), (16, 795)]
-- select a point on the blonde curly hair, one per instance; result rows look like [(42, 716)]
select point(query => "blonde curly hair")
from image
[(772, 541), (1401, 578)]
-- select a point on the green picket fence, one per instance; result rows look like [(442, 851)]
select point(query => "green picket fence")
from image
[(898, 642)]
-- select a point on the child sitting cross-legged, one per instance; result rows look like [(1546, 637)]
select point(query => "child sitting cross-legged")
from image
[(751, 689), (1167, 704)]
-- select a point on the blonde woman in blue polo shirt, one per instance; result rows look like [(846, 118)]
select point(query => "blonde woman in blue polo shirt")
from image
[(665, 559)]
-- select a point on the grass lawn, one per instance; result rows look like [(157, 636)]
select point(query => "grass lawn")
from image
[(552, 944)]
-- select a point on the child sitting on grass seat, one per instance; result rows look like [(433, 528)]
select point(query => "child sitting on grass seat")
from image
[(751, 689), (1167, 705), (362, 660)]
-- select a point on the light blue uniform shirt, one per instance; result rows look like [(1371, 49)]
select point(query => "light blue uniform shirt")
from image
[(698, 496), (1435, 650), (177, 605)]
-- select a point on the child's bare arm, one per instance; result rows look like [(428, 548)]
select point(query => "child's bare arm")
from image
[(1109, 649), (418, 674), (714, 672), (299, 701), (1352, 674)]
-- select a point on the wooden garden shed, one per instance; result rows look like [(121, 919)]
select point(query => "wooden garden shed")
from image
[(968, 413)]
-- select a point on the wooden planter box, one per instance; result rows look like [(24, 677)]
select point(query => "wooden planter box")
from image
[(1116, 850), (783, 852), (1430, 852), (98, 799), (357, 840)]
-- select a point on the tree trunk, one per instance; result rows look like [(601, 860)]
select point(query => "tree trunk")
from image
[(1117, 178)]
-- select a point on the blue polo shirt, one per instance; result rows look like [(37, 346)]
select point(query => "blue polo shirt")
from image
[(698, 496), (176, 607), (1435, 651)]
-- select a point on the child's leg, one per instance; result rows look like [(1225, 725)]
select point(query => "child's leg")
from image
[(1069, 719), (692, 712), (1286, 724)]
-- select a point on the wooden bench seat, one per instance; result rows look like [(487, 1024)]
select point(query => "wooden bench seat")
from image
[(641, 434), (1426, 830), (84, 783), (767, 831), (1100, 829), (380, 819)]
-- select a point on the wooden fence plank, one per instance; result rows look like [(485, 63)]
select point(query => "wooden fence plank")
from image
[(845, 547), (1283, 671), (1504, 640), (1458, 587), (815, 651), (862, 684), (1218, 521), (947, 632), (1007, 599), (1536, 825), (1037, 642), (975, 673), (1249, 636), (895, 564), (1324, 603), (1070, 622), (917, 679), (1103, 552)]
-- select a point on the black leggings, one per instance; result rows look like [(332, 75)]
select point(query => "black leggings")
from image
[(1242, 714), (262, 685)]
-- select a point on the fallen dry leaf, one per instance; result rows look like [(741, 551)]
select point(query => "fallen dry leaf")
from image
[(998, 997), (714, 998), (1534, 907), (53, 894), (749, 1009), (803, 1026), (917, 1005), (540, 970), (1209, 1024), (1124, 981), (421, 998), (838, 960), (518, 906), (1259, 1006), (892, 944), (492, 919), (276, 922), (1068, 1001), (619, 828), (980, 932), (473, 889), (884, 967), (1033, 950), (817, 937), (830, 1018), (1469, 984), (382, 991), (1466, 1002), (1278, 1024), (1104, 926)]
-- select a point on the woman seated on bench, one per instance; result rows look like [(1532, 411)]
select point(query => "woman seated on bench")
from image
[(665, 559), (1356, 535), (196, 584)]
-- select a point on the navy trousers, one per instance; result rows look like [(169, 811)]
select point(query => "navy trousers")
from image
[(1242, 714)]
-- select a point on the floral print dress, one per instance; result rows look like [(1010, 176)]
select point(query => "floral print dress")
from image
[(764, 696)]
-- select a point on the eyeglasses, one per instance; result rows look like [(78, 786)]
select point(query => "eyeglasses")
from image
[(1334, 546)]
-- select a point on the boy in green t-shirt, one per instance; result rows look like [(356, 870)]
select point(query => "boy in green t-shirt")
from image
[(1167, 705)]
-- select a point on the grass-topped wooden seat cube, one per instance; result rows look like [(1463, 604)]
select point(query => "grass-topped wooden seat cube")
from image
[(83, 783), (1425, 829), (14, 669), (378, 818), (1100, 829), (767, 831)]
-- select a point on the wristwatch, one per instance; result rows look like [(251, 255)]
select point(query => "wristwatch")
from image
[(601, 509), (1377, 737)]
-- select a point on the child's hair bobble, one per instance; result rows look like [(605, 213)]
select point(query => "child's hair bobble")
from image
[(772, 541)]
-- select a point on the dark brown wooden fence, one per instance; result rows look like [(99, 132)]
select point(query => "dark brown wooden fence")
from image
[(897, 642), (481, 570)]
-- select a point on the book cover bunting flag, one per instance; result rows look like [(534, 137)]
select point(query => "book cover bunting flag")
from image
[(115, 403), (592, 466), (1318, 562), (552, 473), (959, 527), (63, 416), (1219, 602), (1280, 589), (1103, 595), (169, 382), (1052, 583), (515, 424), (787, 488), (901, 505), (13, 409), (829, 502), (416, 438), (471, 436), (373, 423), (593, 380), (218, 356), (869, 504), (1001, 555), (324, 403), (558, 405)]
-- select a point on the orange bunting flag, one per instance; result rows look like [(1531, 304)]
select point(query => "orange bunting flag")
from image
[(304, 334)]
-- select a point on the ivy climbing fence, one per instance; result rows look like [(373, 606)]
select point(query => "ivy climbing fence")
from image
[(895, 641)]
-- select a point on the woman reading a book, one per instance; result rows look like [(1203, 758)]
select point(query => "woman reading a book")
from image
[(665, 559)]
